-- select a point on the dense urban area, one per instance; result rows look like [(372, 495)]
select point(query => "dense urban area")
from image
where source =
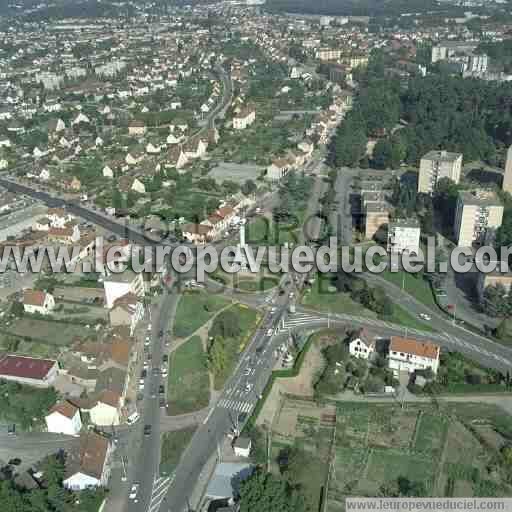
[(190, 125)]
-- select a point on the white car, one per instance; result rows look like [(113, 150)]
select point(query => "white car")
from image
[(425, 317), (148, 341), (270, 332), (134, 491), (248, 387)]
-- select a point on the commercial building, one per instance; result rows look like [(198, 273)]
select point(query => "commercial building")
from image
[(28, 370), (404, 236), (477, 212), (436, 165)]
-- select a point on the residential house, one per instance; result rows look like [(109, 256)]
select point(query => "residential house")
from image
[(127, 183), (106, 409), (64, 418), (137, 128), (107, 172), (406, 354), (70, 234), (244, 118), (197, 233), (195, 147), (90, 465), (242, 447), (128, 310), (278, 169), (176, 157), (37, 301), (361, 345)]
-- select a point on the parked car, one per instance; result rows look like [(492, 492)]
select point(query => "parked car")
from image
[(147, 430), (15, 462), (162, 402), (161, 389), (134, 492)]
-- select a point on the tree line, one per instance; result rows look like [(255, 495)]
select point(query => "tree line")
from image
[(435, 112)]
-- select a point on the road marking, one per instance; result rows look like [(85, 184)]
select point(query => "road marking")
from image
[(159, 490), (236, 405)]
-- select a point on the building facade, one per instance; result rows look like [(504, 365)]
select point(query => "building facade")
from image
[(404, 236), (477, 212), (436, 165)]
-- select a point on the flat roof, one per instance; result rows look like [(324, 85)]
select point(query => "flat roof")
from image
[(480, 197), (441, 156)]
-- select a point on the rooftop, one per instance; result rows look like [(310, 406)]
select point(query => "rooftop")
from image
[(417, 348), (480, 198), (25, 367), (442, 156)]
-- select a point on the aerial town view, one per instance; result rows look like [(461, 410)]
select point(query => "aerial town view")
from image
[(254, 255)]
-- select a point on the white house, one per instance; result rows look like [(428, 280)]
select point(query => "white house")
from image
[(81, 118), (107, 172), (411, 355), (105, 411), (64, 418), (278, 169), (90, 464), (361, 346), (37, 301), (244, 118), (119, 284)]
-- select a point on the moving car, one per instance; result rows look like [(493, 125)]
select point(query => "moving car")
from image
[(133, 418), (270, 332), (147, 430)]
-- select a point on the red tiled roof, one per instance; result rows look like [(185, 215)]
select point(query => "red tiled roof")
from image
[(65, 408), (410, 346), (34, 297), (25, 367)]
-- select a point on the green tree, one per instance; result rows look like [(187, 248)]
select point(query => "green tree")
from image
[(249, 187), (265, 492)]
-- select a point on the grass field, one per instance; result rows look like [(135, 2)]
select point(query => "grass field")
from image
[(438, 449), (413, 284), (248, 320), (321, 297), (403, 317), (173, 446), (195, 308), (47, 332), (189, 384)]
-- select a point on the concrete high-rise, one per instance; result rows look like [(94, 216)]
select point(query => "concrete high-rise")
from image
[(507, 177), (436, 165)]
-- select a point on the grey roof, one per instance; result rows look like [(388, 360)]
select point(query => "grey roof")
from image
[(405, 223), (480, 198), (112, 379), (226, 479), (243, 442), (441, 156)]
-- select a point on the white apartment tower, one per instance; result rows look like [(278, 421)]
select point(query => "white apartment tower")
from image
[(507, 177), (436, 165), (477, 212)]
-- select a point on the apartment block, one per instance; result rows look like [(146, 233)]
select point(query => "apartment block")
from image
[(477, 211), (404, 236), (507, 177), (436, 165), (376, 215)]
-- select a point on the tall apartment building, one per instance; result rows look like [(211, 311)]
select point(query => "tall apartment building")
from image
[(449, 49), (404, 236), (375, 213), (436, 165), (477, 212), (507, 177)]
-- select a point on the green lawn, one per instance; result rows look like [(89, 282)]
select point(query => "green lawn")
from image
[(173, 446), (414, 284), (195, 308), (322, 298), (248, 320), (189, 384), (403, 317), (46, 331), (257, 285)]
